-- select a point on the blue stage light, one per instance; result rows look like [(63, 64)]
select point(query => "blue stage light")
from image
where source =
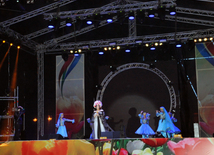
[(151, 16), (89, 22), (152, 48), (76, 55), (109, 20), (101, 53), (50, 26), (127, 50), (178, 45), (131, 17), (172, 13), (68, 24)]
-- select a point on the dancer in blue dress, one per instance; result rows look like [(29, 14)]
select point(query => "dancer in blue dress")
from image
[(145, 130), (61, 125), (177, 130), (165, 122)]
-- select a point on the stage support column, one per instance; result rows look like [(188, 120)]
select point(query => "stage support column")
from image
[(132, 27), (40, 92)]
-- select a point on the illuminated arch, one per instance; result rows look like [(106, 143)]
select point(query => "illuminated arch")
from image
[(128, 66)]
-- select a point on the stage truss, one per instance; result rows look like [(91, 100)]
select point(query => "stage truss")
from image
[(148, 67)]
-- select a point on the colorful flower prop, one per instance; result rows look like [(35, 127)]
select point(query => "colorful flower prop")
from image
[(135, 145), (207, 112), (192, 146), (155, 142)]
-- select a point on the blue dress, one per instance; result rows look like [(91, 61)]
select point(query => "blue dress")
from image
[(165, 123), (61, 127), (177, 130), (144, 129)]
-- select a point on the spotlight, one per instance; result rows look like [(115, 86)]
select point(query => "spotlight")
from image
[(109, 18), (195, 40), (118, 47), (131, 15), (140, 16), (18, 47), (160, 44), (89, 22), (151, 13), (178, 45), (112, 43), (71, 51), (147, 45), (138, 41), (76, 55), (205, 39), (68, 22), (127, 50), (96, 19), (161, 12), (211, 38), (35, 119), (109, 48), (51, 24), (105, 48), (170, 83), (121, 17), (79, 50), (152, 48), (101, 53), (199, 39), (172, 11), (156, 44), (11, 44), (3, 41)]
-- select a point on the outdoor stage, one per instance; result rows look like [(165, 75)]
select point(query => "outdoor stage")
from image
[(150, 146)]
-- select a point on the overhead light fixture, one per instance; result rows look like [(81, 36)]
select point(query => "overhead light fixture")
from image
[(156, 44), (76, 55), (141, 16), (51, 24), (68, 22), (152, 48), (118, 47), (178, 45), (101, 53), (112, 43), (105, 48), (205, 39), (121, 16), (147, 45), (18, 47), (138, 41), (172, 10), (199, 39), (151, 13), (161, 12), (109, 18), (11, 44), (3, 41), (131, 15), (195, 40)]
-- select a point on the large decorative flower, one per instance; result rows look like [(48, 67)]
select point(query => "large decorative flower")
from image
[(135, 145), (192, 146), (207, 112), (155, 142), (73, 109)]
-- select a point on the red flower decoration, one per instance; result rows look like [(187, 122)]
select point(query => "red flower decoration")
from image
[(192, 146), (155, 142), (122, 152)]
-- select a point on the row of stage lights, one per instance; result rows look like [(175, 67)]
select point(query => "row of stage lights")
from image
[(204, 39), (94, 19), (11, 44)]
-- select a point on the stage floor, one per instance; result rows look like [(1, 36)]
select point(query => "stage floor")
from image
[(150, 146)]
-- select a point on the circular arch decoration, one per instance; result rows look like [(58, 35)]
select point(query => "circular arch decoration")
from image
[(128, 66)]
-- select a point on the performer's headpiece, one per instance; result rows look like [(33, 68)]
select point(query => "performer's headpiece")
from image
[(98, 103)]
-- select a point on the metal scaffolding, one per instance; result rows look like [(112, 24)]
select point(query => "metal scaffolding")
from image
[(10, 118), (40, 90)]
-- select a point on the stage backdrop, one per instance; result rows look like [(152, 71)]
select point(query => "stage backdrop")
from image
[(204, 53), (70, 91), (134, 90)]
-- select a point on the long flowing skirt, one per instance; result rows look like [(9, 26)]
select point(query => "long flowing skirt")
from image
[(62, 131), (145, 129), (177, 130)]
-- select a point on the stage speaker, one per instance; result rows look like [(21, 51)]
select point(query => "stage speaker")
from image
[(111, 134)]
